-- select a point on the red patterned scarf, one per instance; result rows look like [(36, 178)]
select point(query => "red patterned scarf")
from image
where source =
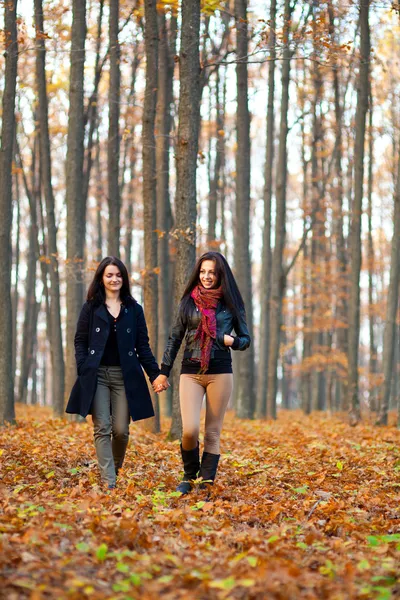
[(206, 301)]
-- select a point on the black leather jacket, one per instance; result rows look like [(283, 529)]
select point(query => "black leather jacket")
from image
[(186, 327)]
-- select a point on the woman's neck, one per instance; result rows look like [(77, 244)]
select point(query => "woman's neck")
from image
[(113, 298)]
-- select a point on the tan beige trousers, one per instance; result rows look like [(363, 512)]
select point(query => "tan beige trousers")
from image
[(218, 389)]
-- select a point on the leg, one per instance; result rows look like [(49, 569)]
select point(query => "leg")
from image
[(102, 427), (191, 393), (119, 416), (219, 391)]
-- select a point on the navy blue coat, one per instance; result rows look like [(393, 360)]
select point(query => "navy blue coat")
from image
[(134, 350)]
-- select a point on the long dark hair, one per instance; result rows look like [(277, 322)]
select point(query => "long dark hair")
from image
[(96, 293), (231, 295)]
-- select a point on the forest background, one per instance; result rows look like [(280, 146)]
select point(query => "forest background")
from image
[(270, 132)]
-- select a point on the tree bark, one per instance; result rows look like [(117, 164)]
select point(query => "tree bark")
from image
[(31, 305), (341, 309), (244, 393), (7, 410), (277, 275), (186, 163), (389, 335), (265, 286), (373, 357), (56, 345), (149, 186), (318, 241), (74, 187), (113, 133), (213, 173), (166, 63), (354, 305), (92, 109), (15, 294)]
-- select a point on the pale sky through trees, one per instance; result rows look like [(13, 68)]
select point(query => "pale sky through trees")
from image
[(385, 81)]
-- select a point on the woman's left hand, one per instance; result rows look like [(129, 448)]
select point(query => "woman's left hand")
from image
[(228, 340), (160, 384)]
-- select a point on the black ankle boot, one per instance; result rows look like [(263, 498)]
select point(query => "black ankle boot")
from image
[(191, 466), (208, 469)]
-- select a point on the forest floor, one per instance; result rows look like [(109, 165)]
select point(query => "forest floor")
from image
[(304, 507)]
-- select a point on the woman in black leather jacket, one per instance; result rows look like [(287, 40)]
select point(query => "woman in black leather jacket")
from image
[(210, 309)]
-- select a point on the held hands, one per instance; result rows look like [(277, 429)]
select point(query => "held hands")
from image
[(160, 384), (228, 340)]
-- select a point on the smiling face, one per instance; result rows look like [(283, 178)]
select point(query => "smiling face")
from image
[(112, 279), (208, 275)]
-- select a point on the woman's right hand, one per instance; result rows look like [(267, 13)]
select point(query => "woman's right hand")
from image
[(160, 384)]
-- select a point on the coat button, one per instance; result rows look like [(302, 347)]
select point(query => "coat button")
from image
[(97, 329), (92, 352), (128, 330), (130, 353)]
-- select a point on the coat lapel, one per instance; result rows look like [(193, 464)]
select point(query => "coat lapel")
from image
[(101, 312)]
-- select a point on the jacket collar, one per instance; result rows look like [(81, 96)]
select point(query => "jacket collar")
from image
[(102, 312)]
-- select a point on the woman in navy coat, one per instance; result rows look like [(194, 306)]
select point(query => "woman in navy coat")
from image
[(111, 350)]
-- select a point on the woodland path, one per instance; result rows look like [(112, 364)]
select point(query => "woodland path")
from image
[(304, 507)]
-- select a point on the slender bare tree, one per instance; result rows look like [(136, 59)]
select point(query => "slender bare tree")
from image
[(164, 122), (392, 304), (74, 186), (265, 285), (278, 282), (244, 393), (113, 132), (7, 411), (149, 184), (186, 163), (56, 345), (356, 213)]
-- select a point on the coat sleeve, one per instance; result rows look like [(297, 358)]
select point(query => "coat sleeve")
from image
[(81, 340), (174, 342), (142, 347), (242, 339)]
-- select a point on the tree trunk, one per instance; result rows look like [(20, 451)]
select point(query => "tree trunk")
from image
[(356, 213), (113, 133), (317, 242), (244, 393), (15, 294), (341, 309), (186, 163), (391, 310), (373, 357), (149, 186), (265, 286), (277, 275), (92, 109), (74, 187), (213, 172), (7, 411), (31, 308), (222, 151), (305, 275), (99, 201), (166, 63), (56, 345)]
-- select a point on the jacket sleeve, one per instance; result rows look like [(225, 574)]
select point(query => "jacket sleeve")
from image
[(242, 339), (81, 340), (174, 342), (142, 347)]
